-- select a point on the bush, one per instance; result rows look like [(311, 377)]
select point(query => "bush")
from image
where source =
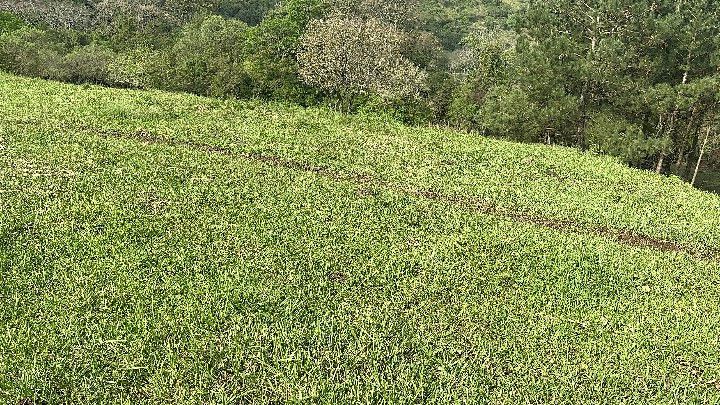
[(88, 64), (208, 58), (611, 134), (272, 48), (463, 110), (9, 23), (134, 68), (32, 52), (508, 112), (251, 12)]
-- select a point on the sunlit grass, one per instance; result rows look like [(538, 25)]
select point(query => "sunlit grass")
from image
[(135, 267)]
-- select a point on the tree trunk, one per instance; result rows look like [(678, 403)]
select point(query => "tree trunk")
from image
[(690, 157), (661, 160), (660, 163), (702, 152)]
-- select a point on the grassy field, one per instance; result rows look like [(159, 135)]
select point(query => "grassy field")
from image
[(168, 248)]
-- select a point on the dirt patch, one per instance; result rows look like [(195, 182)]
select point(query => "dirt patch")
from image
[(697, 373), (337, 277)]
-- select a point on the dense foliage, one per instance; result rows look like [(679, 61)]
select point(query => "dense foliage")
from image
[(636, 79), (350, 57), (167, 248)]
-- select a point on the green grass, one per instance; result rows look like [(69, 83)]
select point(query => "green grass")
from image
[(168, 248)]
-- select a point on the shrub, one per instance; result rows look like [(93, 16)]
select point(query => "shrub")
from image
[(508, 112), (208, 58), (271, 52), (137, 67), (613, 135), (9, 23), (32, 52), (251, 12), (88, 64)]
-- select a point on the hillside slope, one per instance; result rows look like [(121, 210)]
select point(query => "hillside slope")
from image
[(170, 248)]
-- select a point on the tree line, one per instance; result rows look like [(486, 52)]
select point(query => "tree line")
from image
[(636, 79)]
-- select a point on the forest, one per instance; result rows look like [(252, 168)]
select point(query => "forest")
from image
[(634, 79)]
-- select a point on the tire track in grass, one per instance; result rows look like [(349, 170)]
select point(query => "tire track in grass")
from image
[(623, 236)]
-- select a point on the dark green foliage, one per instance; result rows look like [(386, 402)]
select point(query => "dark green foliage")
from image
[(632, 79), (32, 52), (614, 135), (208, 59), (272, 47), (88, 64), (252, 12), (9, 22)]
